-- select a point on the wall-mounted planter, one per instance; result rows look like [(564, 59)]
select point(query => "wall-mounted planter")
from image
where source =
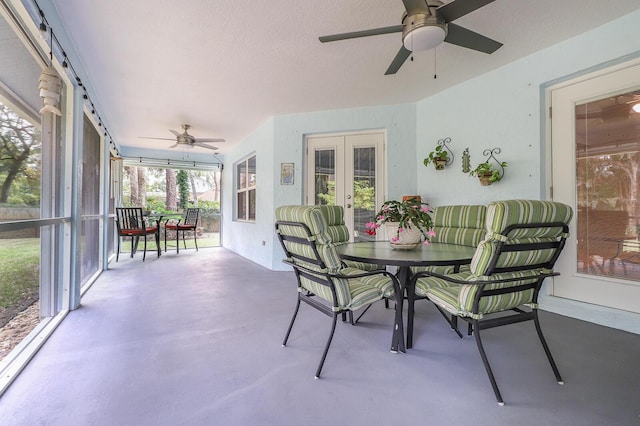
[(488, 173), (441, 156)]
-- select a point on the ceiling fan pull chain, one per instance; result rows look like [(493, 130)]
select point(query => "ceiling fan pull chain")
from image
[(435, 75)]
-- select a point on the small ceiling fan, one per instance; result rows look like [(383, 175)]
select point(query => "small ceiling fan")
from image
[(187, 139), (427, 24)]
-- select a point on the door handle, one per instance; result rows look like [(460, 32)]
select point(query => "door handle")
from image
[(348, 206)]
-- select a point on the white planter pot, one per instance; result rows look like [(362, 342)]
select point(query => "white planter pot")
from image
[(407, 239)]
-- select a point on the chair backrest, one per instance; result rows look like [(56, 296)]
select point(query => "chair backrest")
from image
[(302, 231), (334, 220), (191, 216), (523, 241), (313, 218), (522, 235), (459, 224), (129, 218)]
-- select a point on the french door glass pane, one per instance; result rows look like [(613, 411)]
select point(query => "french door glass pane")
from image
[(325, 177), (364, 191), (608, 186)]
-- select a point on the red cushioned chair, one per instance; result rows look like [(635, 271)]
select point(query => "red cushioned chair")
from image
[(130, 222), (189, 223)]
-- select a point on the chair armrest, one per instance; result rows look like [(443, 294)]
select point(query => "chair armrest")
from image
[(394, 279), (450, 279)]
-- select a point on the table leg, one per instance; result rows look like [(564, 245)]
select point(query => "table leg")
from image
[(397, 343)]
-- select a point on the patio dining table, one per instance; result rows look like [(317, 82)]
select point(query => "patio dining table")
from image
[(381, 253)]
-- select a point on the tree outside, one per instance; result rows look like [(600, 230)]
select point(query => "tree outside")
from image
[(169, 192)]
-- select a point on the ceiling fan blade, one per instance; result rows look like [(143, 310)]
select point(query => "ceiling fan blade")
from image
[(458, 8), (397, 62), (173, 146), (174, 132), (416, 6), (201, 145), (466, 38), (209, 140), (365, 33), (162, 139)]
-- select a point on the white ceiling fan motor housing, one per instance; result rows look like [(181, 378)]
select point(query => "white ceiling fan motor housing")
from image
[(422, 32)]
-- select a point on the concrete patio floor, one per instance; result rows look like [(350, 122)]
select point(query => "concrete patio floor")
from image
[(195, 339)]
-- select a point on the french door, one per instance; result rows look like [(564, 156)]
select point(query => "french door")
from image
[(595, 149), (347, 170)]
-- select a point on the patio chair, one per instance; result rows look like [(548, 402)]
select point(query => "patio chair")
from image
[(523, 241), (339, 233), (189, 223), (324, 282), (454, 224), (130, 222)]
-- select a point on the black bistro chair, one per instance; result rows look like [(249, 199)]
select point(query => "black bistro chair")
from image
[(130, 222), (187, 224)]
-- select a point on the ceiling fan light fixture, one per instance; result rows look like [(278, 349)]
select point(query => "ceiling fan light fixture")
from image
[(636, 107), (424, 38)]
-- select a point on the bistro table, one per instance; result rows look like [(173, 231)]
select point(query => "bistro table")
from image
[(381, 253)]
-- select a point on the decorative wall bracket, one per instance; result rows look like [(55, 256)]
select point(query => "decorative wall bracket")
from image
[(491, 170), (441, 156), (443, 142), (500, 165)]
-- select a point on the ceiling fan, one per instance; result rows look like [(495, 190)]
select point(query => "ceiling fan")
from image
[(187, 139), (427, 24)]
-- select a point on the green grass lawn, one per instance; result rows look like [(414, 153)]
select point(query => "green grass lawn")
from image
[(207, 240), (19, 275), (20, 268)]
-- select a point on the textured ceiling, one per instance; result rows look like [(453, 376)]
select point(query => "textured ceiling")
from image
[(226, 66)]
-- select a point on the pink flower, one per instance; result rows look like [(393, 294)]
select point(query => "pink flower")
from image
[(394, 239), (400, 229), (431, 233), (370, 225), (426, 242), (425, 209)]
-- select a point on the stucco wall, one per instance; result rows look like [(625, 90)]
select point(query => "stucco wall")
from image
[(281, 140), (504, 108)]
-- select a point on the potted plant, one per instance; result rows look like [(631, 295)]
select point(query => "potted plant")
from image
[(487, 173), (438, 157), (410, 221)]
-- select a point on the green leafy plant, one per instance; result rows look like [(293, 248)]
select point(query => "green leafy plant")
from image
[(438, 155), (411, 212), (489, 171)]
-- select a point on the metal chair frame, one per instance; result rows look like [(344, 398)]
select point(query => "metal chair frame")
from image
[(322, 278), (190, 223), (130, 222), (518, 315)]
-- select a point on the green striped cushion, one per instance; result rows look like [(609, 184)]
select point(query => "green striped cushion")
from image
[(502, 214), (363, 266), (339, 233), (350, 294), (458, 299), (308, 215), (381, 282), (459, 224)]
